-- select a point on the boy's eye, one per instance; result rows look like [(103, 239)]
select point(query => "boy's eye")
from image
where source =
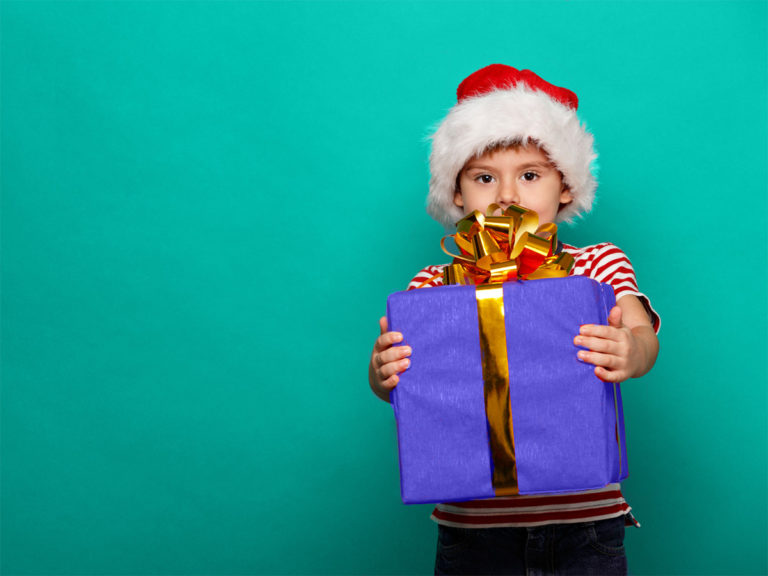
[(485, 178), (530, 176)]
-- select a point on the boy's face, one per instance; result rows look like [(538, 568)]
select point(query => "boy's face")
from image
[(519, 175)]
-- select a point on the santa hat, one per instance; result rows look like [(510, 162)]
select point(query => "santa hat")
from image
[(499, 104)]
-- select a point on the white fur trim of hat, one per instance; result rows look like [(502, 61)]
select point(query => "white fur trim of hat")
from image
[(499, 105)]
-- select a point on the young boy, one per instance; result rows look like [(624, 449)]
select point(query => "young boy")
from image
[(515, 138)]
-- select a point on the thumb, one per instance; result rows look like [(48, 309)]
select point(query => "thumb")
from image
[(383, 324), (614, 317)]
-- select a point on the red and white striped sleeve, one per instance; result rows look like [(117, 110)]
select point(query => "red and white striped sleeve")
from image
[(428, 277), (607, 263)]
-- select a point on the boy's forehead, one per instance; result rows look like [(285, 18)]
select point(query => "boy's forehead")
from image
[(531, 151)]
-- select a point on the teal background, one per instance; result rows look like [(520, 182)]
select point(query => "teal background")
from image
[(205, 205)]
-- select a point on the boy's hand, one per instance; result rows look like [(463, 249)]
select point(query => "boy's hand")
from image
[(620, 351), (387, 361)]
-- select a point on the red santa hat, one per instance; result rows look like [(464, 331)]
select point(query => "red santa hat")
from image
[(499, 104)]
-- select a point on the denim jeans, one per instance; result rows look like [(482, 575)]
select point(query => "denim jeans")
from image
[(581, 549)]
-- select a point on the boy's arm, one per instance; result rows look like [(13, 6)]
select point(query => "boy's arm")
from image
[(626, 348)]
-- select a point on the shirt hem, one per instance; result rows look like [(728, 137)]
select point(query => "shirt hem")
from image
[(607, 516)]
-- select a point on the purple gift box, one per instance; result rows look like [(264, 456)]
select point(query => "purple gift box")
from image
[(568, 425)]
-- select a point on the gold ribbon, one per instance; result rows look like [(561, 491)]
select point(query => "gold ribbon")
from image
[(493, 349), (496, 249)]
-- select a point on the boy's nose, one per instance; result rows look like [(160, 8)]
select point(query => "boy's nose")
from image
[(507, 193)]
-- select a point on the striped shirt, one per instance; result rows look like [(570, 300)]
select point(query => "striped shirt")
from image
[(604, 263)]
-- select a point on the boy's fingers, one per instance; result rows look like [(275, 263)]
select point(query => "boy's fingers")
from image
[(390, 382), (597, 344), (386, 340), (598, 359), (599, 331), (390, 369), (614, 317), (391, 355), (608, 375)]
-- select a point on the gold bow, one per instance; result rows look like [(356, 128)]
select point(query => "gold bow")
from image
[(498, 249)]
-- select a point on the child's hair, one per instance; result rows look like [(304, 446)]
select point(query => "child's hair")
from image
[(500, 106)]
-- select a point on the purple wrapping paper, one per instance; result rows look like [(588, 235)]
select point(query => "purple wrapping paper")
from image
[(564, 417)]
